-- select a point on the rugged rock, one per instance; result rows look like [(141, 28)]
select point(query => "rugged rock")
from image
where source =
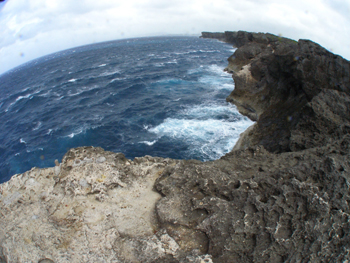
[(96, 206), (282, 195), (294, 90)]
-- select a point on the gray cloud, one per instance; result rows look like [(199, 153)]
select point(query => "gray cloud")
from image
[(38, 27)]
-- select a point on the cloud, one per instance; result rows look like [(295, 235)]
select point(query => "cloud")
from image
[(38, 27)]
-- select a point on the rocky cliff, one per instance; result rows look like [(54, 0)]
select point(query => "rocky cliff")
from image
[(282, 194)]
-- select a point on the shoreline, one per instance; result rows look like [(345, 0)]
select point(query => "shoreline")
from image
[(281, 195)]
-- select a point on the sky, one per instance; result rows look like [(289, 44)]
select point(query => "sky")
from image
[(31, 29)]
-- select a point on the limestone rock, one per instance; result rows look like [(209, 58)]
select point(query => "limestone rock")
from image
[(99, 208)]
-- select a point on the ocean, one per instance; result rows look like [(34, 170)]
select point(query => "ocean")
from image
[(160, 96)]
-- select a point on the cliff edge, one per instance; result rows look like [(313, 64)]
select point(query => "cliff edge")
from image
[(297, 92), (282, 195)]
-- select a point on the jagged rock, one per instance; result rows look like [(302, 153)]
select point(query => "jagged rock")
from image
[(282, 195), (286, 86), (99, 208)]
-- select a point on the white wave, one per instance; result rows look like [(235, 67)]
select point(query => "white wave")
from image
[(210, 111), (149, 143), (102, 65), (24, 97), (37, 126), (46, 94), (195, 70), (81, 90), (22, 141), (28, 96), (72, 135), (218, 70), (49, 132), (54, 71), (108, 73), (194, 129), (214, 80), (174, 61), (227, 86), (72, 80), (208, 51), (210, 137), (116, 79), (76, 132), (170, 81)]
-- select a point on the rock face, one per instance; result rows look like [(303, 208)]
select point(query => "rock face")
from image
[(298, 92), (282, 194)]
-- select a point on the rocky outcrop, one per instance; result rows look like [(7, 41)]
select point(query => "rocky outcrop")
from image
[(294, 90), (282, 195), (95, 206)]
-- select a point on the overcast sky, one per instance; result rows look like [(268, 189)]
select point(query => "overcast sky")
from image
[(33, 28)]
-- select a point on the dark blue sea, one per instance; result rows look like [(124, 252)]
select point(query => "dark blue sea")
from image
[(149, 96)]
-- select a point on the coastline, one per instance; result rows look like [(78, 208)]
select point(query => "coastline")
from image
[(280, 195)]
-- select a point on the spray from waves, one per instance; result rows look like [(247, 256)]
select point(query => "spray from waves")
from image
[(211, 130)]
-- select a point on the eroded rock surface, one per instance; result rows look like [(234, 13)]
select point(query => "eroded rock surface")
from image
[(298, 92), (282, 195), (95, 206)]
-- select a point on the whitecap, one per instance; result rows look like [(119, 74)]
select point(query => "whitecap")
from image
[(195, 70), (193, 129), (72, 80), (210, 138), (208, 51), (22, 141), (108, 73), (210, 111), (49, 132), (102, 65), (116, 79), (47, 94), (174, 61), (218, 70), (217, 82), (75, 133), (37, 126), (149, 143), (81, 90)]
